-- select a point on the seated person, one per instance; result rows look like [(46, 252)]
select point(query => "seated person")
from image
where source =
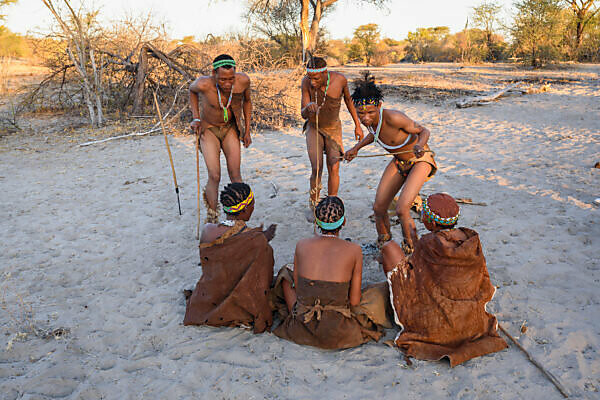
[(324, 285), (439, 293), (237, 268)]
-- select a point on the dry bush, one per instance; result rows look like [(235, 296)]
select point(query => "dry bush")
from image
[(137, 59)]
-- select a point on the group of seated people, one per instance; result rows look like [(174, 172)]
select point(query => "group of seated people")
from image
[(436, 296)]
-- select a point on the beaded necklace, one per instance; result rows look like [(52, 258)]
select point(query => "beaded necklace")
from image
[(225, 113), (324, 94)]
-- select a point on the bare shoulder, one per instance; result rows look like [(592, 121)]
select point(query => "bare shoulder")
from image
[(339, 77), (202, 83), (209, 233), (395, 117), (355, 248), (242, 78)]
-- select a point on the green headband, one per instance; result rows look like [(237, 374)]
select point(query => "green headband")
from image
[(223, 63), (329, 226)]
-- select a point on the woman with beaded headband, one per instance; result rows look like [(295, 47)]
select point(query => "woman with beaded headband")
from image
[(317, 298), (223, 121), (439, 293), (237, 268), (322, 92), (411, 167)]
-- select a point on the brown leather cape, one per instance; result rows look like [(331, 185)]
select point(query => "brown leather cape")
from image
[(237, 272), (439, 296)]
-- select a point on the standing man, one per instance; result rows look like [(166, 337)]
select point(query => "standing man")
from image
[(219, 125), (322, 93)]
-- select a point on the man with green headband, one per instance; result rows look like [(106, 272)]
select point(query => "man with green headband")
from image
[(322, 93), (223, 121)]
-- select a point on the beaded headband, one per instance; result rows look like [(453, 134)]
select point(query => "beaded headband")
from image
[(366, 102), (329, 226), (315, 70), (223, 63), (436, 218), (240, 206)]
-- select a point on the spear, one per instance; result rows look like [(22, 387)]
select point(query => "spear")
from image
[(168, 150)]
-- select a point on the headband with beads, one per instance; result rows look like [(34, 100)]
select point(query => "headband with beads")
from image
[(366, 102), (240, 206), (329, 226), (223, 63), (316, 70), (436, 218)]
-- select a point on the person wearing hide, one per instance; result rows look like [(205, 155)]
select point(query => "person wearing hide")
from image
[(440, 292), (320, 300), (237, 268)]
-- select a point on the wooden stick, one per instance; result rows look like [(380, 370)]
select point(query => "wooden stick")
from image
[(388, 154), (549, 375), (168, 149), (198, 182)]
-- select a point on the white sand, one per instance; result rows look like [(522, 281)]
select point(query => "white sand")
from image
[(108, 260)]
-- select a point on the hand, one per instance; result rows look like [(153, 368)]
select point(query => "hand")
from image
[(196, 127), (270, 232), (418, 150), (358, 133), (247, 139), (351, 154), (312, 107)]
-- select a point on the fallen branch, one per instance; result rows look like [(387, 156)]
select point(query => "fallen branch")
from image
[(487, 99), (469, 201), (549, 375), (154, 129)]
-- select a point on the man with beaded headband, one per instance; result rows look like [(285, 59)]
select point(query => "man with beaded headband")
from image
[(237, 268), (222, 123), (320, 300), (322, 92), (411, 166), (439, 293)]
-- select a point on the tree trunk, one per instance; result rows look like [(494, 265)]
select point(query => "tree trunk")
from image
[(140, 79), (304, 27), (314, 26), (579, 34)]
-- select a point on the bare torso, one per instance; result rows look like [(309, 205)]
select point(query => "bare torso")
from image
[(327, 259), (393, 135), (211, 111)]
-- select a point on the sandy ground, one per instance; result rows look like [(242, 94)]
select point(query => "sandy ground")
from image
[(93, 249)]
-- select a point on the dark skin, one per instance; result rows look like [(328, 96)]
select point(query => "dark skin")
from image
[(212, 232), (327, 258), (392, 253), (396, 127), (212, 114), (338, 86)]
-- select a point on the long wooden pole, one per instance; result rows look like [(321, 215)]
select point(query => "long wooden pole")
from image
[(198, 184), (168, 149), (548, 374)]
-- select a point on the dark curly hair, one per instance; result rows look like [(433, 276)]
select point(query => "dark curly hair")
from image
[(221, 57), (234, 193), (330, 209), (366, 89), (316, 62)]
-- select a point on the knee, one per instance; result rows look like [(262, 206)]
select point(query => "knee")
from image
[(379, 209), (214, 177), (333, 166), (403, 209)]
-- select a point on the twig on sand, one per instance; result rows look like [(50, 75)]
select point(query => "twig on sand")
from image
[(154, 129), (548, 374), (466, 200), (275, 191)]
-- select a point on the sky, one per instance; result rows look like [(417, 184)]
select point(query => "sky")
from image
[(200, 17)]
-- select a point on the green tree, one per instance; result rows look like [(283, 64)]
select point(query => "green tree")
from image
[(309, 26), (486, 17), (584, 13), (367, 37), (425, 43), (537, 30)]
